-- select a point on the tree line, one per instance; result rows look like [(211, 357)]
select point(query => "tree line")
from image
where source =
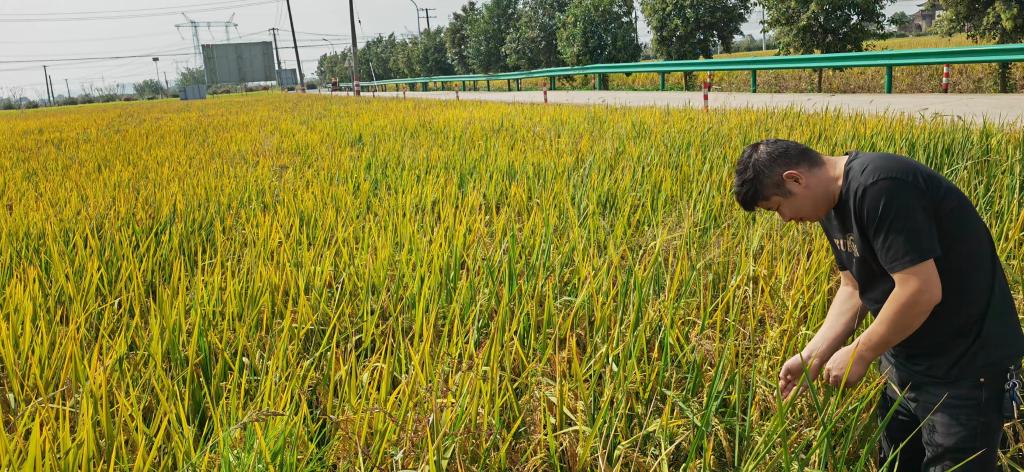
[(508, 35)]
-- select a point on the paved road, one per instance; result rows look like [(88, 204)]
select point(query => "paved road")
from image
[(1005, 108)]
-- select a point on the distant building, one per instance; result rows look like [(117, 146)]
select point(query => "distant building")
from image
[(924, 18)]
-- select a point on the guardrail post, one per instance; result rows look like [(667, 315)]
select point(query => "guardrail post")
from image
[(551, 83), (519, 85), (508, 85), (488, 82), (463, 85), (753, 81), (661, 81), (888, 79)]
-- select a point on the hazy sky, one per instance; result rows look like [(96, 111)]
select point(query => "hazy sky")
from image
[(41, 31)]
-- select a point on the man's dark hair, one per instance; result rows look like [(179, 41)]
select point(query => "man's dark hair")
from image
[(760, 168)]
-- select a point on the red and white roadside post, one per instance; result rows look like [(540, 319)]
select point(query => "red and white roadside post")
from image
[(945, 78), (355, 88), (456, 92), (706, 87), (545, 93), (404, 88)]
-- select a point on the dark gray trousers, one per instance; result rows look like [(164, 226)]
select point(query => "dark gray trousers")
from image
[(938, 426)]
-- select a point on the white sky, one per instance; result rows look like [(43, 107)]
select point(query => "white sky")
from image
[(43, 30)]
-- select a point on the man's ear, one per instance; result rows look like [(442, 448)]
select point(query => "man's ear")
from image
[(793, 176)]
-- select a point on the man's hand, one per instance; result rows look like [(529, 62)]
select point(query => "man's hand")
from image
[(836, 368), (793, 369)]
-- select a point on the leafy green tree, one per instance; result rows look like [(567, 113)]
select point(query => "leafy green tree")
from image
[(533, 41), (487, 35), (456, 37), (431, 55), (190, 76), (149, 88), (1000, 21), (375, 58), (690, 29), (900, 21), (825, 26), (599, 31), (334, 65)]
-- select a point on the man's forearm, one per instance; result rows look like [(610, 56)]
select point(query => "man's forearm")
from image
[(905, 310), (844, 315)]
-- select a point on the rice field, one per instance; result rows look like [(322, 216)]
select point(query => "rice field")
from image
[(285, 282)]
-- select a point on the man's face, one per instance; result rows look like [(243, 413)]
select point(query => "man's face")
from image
[(807, 202)]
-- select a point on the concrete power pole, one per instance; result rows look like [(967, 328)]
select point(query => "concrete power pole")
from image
[(68, 86), (426, 14), (46, 78), (355, 49), (301, 88), (277, 52)]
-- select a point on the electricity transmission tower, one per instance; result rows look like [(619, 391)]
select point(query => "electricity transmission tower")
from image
[(209, 25)]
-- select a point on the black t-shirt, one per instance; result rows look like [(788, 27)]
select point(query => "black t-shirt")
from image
[(894, 213)]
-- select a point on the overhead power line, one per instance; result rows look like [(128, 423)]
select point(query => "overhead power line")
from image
[(174, 8), (66, 59), (4, 19)]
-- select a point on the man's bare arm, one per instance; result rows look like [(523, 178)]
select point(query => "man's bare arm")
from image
[(844, 315), (918, 289)]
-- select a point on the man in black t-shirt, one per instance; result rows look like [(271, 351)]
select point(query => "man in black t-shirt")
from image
[(912, 250)]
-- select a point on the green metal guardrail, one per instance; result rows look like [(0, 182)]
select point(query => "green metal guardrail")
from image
[(1003, 53)]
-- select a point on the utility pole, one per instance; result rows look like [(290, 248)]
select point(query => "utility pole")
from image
[(46, 78), (277, 53), (301, 88), (68, 86), (355, 49), (426, 14), (167, 83)]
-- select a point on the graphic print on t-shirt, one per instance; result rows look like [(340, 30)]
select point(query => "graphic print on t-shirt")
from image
[(847, 244)]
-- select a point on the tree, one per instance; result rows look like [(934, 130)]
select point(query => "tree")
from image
[(430, 55), (190, 76), (375, 58), (533, 41), (335, 65), (487, 35), (1001, 21), (690, 29), (900, 21), (599, 31), (456, 37), (149, 88), (826, 26)]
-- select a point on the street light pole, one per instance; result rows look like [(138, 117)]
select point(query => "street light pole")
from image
[(418, 31), (332, 46), (156, 63)]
